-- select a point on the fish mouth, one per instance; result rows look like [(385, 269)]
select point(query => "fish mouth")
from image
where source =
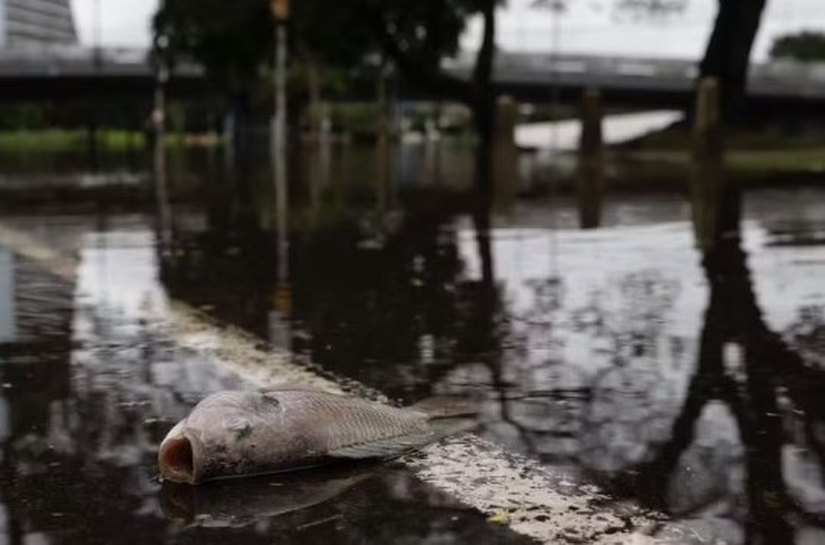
[(177, 457)]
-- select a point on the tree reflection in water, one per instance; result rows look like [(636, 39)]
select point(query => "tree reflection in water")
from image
[(739, 455), (770, 390), (582, 369)]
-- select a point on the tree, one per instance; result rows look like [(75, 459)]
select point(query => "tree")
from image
[(805, 46), (230, 39), (727, 56), (234, 40), (415, 34)]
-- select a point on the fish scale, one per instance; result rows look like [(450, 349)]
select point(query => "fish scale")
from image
[(238, 433)]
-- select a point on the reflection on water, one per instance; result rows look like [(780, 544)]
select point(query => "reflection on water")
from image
[(686, 382), (7, 325), (619, 353), (239, 503), (92, 382)]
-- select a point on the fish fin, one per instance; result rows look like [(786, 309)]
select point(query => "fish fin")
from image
[(384, 448), (446, 407), (293, 387)]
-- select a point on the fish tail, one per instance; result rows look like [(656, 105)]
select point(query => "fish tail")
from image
[(443, 407)]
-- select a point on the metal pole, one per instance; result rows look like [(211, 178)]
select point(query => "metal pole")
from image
[(280, 151), (279, 118), (280, 12), (159, 152), (279, 329)]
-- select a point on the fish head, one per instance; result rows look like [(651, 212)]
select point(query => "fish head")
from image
[(217, 438)]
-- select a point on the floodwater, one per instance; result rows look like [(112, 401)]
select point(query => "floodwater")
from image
[(681, 380)]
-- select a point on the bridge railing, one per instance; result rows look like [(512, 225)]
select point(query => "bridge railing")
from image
[(777, 77), (57, 61)]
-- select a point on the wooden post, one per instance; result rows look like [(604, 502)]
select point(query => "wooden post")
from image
[(706, 172), (591, 177), (505, 154)]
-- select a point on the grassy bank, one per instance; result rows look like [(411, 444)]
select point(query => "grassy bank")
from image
[(60, 140), (753, 154), (742, 161)]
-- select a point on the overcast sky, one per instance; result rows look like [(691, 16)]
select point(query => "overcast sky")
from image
[(589, 26), (122, 22)]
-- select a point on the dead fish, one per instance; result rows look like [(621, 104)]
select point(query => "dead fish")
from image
[(246, 503), (240, 433)]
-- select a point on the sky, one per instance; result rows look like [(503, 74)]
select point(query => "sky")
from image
[(122, 22), (589, 26)]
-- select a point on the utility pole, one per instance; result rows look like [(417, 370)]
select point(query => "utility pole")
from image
[(159, 150), (280, 12), (279, 335)]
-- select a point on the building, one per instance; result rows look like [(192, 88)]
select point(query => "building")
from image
[(36, 22)]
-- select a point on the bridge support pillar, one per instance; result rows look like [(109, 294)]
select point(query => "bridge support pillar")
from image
[(505, 154), (591, 177), (707, 181)]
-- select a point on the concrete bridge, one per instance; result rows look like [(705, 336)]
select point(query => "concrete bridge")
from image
[(52, 73), (82, 73), (644, 83)]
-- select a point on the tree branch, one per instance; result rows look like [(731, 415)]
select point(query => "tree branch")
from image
[(431, 80)]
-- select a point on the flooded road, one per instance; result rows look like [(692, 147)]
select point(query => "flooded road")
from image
[(678, 380)]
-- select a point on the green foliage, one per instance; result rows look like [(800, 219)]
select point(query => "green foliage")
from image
[(234, 39), (230, 38), (334, 34), (805, 46), (23, 116), (425, 30), (43, 141), (354, 116)]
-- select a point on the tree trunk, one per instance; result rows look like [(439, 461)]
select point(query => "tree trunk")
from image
[(728, 54), (484, 98), (483, 104)]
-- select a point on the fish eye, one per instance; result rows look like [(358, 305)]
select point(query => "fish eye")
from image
[(270, 398)]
